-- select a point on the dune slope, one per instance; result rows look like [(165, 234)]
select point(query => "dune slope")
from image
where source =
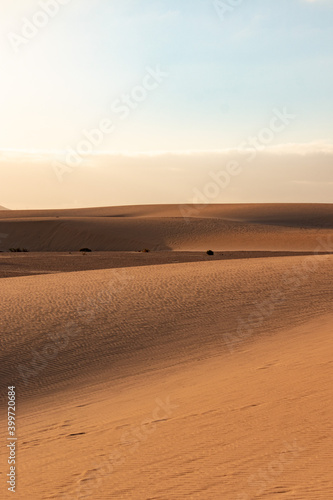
[(159, 312), (198, 380)]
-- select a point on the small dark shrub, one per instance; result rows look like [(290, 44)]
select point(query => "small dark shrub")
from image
[(210, 252), (85, 250), (18, 250), (145, 250)]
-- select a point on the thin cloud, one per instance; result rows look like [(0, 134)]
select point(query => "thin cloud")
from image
[(286, 173)]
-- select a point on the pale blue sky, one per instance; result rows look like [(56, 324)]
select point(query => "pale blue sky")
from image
[(225, 75), (229, 77)]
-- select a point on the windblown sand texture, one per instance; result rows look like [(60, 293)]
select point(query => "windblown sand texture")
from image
[(183, 377)]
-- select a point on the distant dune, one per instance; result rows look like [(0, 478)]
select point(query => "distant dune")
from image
[(169, 227), (3, 208)]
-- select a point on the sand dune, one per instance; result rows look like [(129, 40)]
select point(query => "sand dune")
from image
[(163, 309), (14, 264), (221, 369), (288, 214), (183, 376), (255, 424), (169, 227)]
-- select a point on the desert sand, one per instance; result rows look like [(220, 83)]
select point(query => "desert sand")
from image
[(169, 227), (180, 376)]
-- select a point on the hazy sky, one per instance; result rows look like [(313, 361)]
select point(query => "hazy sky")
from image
[(162, 75)]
